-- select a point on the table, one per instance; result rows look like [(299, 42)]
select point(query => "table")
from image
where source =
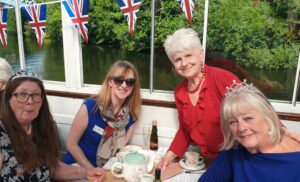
[(178, 178)]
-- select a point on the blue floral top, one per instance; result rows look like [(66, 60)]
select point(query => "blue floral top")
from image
[(11, 169)]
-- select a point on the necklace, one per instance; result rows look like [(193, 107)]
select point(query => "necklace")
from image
[(28, 131), (199, 83)]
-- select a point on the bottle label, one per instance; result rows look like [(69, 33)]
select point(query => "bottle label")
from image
[(153, 145)]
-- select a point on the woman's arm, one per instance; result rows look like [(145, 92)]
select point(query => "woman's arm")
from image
[(78, 127), (66, 172), (295, 136)]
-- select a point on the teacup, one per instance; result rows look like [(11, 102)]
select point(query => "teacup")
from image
[(147, 178), (193, 159)]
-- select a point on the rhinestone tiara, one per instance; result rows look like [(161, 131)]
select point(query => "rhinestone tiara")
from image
[(237, 87), (26, 73)]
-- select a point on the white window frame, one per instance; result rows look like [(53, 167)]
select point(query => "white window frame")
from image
[(74, 70)]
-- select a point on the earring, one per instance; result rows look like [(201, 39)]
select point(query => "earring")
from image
[(269, 132)]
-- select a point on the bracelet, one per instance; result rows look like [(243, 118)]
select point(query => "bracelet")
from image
[(82, 172), (172, 154)]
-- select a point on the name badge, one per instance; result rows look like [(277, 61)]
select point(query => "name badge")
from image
[(98, 130)]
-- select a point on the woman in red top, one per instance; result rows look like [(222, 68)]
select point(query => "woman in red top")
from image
[(198, 97)]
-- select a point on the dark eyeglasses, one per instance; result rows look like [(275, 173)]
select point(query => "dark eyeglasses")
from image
[(23, 97), (119, 81)]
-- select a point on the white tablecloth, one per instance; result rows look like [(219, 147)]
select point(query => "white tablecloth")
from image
[(185, 177)]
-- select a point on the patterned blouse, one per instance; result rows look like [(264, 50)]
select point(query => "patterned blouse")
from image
[(11, 169)]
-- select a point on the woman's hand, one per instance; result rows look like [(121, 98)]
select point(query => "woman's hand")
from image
[(167, 159), (293, 135), (95, 174)]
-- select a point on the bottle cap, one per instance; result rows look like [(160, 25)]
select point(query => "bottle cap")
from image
[(157, 173), (154, 122)]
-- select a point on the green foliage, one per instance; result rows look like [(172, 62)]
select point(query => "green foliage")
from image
[(54, 26), (252, 35), (265, 35)]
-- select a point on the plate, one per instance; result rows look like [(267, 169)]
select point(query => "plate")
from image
[(184, 166)]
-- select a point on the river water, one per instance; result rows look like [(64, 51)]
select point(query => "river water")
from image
[(48, 62)]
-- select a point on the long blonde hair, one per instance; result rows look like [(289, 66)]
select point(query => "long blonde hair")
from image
[(133, 101)]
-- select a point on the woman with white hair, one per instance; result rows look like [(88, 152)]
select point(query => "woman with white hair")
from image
[(256, 148), (198, 97), (5, 73)]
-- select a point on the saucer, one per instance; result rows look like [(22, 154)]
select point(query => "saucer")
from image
[(184, 166)]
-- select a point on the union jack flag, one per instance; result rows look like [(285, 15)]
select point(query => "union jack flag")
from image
[(130, 9), (188, 8), (36, 17), (3, 26), (78, 12)]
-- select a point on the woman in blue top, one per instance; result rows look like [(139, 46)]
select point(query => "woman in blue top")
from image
[(256, 148), (105, 122)]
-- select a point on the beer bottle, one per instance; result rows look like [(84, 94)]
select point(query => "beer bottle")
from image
[(153, 136), (157, 175)]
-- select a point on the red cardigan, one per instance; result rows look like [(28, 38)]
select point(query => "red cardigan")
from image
[(200, 124)]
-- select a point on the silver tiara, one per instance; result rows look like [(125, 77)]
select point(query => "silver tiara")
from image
[(26, 73), (237, 87)]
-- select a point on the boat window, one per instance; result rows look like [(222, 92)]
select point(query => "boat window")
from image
[(47, 60), (256, 40)]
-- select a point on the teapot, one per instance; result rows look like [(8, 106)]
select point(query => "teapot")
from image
[(134, 166)]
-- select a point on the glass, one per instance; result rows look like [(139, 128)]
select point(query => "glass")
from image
[(119, 81), (23, 97), (146, 135)]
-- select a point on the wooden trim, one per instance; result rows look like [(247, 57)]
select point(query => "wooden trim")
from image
[(157, 103), (289, 116), (147, 102)]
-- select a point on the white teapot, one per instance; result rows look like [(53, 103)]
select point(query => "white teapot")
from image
[(134, 166)]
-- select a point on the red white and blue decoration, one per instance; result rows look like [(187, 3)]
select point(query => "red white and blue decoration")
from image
[(130, 9), (188, 8), (78, 11), (36, 17), (3, 26)]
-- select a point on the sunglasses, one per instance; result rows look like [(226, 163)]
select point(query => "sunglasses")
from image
[(119, 81)]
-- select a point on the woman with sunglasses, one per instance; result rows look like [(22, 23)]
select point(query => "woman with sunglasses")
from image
[(105, 122)]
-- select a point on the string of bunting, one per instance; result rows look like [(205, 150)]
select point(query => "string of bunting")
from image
[(78, 12)]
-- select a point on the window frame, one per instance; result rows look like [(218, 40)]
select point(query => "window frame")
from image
[(74, 81)]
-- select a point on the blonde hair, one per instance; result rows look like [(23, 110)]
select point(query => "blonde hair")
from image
[(5, 71), (182, 39), (239, 101), (133, 101)]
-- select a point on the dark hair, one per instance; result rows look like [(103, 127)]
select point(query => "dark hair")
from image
[(42, 147)]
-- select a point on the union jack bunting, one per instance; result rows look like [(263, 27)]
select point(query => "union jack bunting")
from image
[(78, 12), (130, 9), (36, 17), (188, 8), (3, 26)]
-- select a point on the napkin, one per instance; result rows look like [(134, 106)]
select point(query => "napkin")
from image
[(173, 169)]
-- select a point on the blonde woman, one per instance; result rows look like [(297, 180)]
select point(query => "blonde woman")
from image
[(105, 122), (256, 148)]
